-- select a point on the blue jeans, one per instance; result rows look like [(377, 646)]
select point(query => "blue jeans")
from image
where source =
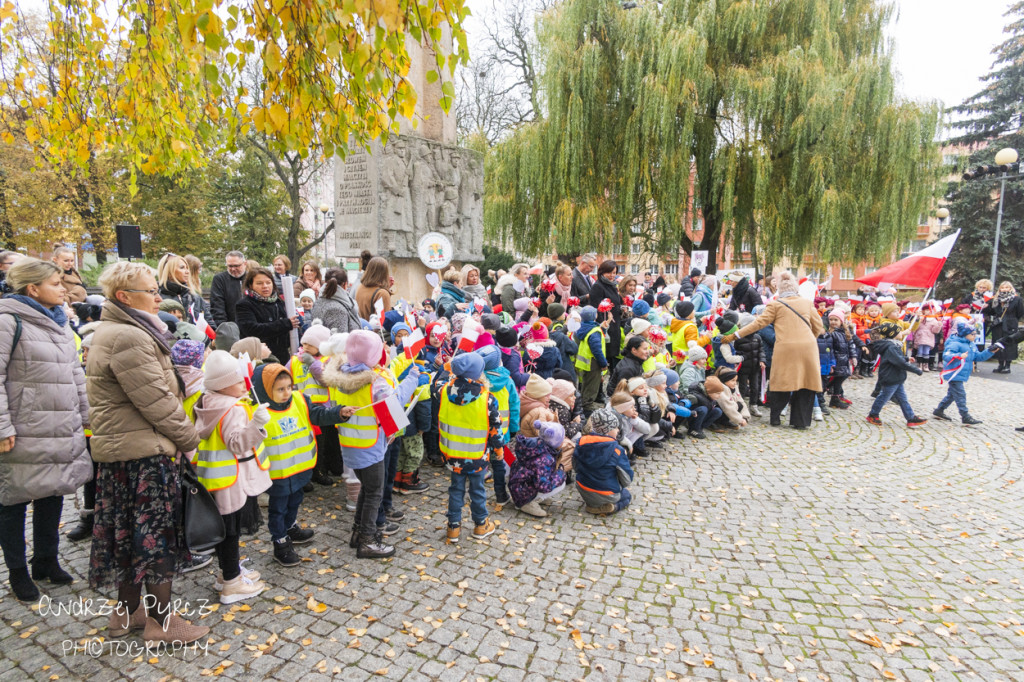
[(391, 468), (702, 417), (477, 497), (624, 500), (282, 511), (924, 351), (885, 392), (957, 392)]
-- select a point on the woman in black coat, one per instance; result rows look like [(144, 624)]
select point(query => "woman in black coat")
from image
[(604, 288), (1005, 311), (260, 313), (744, 297), (632, 362)]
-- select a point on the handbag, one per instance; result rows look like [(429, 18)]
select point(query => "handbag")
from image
[(204, 527)]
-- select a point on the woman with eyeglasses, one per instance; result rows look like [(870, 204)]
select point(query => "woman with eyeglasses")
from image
[(174, 277), (140, 431), (261, 313), (43, 410)]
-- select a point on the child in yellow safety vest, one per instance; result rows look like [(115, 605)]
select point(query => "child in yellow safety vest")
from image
[(290, 450), (407, 475), (469, 424), (230, 463), (306, 370)]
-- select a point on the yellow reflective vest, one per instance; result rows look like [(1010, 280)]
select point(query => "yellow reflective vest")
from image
[(216, 465), (503, 409), (585, 355), (304, 382), (463, 428), (290, 446), (189, 404), (360, 431)]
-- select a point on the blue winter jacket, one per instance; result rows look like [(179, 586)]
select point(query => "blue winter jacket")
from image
[(499, 379), (958, 345), (701, 301), (511, 361), (594, 342), (601, 464)]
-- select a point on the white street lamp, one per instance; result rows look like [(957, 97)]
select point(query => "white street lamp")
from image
[(1004, 157)]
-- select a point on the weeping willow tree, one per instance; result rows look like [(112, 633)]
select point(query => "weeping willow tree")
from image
[(785, 110)]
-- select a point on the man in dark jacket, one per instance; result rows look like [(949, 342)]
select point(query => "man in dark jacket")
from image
[(581, 283), (744, 297), (226, 289), (892, 373), (690, 283)]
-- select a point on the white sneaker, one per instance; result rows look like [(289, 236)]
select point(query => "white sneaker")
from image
[(756, 411), (240, 588), (533, 508), (252, 575), (785, 411), (816, 415)]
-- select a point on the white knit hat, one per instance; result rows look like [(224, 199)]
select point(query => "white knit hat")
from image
[(221, 370), (639, 325)]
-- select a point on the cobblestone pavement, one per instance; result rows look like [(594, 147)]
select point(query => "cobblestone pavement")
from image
[(847, 552)]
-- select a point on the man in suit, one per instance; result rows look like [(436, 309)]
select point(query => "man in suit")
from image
[(581, 282)]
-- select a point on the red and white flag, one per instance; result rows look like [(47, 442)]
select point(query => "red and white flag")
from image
[(470, 333), (919, 269), (414, 343), (205, 327), (391, 415), (245, 368)]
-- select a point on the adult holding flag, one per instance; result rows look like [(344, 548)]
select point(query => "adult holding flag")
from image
[(362, 382), (1005, 312)]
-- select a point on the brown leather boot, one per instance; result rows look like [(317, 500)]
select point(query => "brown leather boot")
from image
[(121, 623), (175, 629)]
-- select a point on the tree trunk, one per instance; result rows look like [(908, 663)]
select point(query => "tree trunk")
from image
[(6, 229)]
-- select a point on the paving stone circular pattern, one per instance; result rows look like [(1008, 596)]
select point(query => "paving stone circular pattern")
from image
[(845, 552)]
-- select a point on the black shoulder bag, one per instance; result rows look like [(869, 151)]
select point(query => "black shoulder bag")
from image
[(204, 527)]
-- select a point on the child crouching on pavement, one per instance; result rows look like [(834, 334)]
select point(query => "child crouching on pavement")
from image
[(703, 405), (231, 463), (290, 448), (958, 358), (632, 428), (603, 473), (731, 401), (360, 382), (469, 425), (892, 373), (535, 474)]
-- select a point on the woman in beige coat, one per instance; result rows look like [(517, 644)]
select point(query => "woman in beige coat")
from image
[(796, 371), (139, 432)]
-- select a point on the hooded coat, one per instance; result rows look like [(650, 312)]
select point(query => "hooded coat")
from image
[(535, 470), (506, 290), (338, 313), (959, 346), (451, 296), (568, 350), (43, 405), (549, 360), (744, 296), (472, 291)]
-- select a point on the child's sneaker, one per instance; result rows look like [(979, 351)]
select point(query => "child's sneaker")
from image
[(453, 534), (874, 420), (970, 421), (603, 510), (389, 528), (241, 587), (939, 414), (816, 414), (394, 514), (218, 583), (300, 536), (916, 421), (374, 548), (284, 553), (699, 435), (755, 411), (533, 508), (485, 530)]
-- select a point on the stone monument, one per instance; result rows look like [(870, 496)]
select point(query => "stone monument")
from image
[(419, 182)]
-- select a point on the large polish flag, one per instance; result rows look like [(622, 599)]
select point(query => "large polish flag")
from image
[(390, 415), (919, 269)]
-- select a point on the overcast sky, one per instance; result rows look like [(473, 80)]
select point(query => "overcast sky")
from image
[(942, 47)]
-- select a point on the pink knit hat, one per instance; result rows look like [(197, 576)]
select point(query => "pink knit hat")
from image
[(316, 334), (563, 390), (364, 348)]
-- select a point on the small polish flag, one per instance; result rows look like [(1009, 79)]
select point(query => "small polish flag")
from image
[(987, 296), (379, 307), (470, 333), (391, 415), (245, 368), (948, 302), (205, 327), (414, 343)]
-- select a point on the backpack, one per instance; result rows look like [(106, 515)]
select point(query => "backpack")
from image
[(17, 331)]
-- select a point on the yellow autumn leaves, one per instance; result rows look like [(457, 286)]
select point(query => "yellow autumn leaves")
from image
[(169, 83)]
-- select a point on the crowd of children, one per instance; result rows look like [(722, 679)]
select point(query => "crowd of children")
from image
[(524, 403)]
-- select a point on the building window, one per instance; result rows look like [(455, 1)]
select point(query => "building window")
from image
[(634, 269), (672, 269), (868, 271), (621, 269), (847, 273), (745, 247), (698, 226), (636, 247)]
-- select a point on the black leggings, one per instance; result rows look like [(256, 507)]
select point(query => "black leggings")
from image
[(227, 557), (45, 537)]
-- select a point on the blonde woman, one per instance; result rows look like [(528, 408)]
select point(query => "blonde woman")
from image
[(282, 265), (139, 430), (195, 274), (1005, 312), (174, 278), (43, 410)]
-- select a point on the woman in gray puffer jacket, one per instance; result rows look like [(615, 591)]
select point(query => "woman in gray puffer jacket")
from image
[(336, 309), (43, 411)]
